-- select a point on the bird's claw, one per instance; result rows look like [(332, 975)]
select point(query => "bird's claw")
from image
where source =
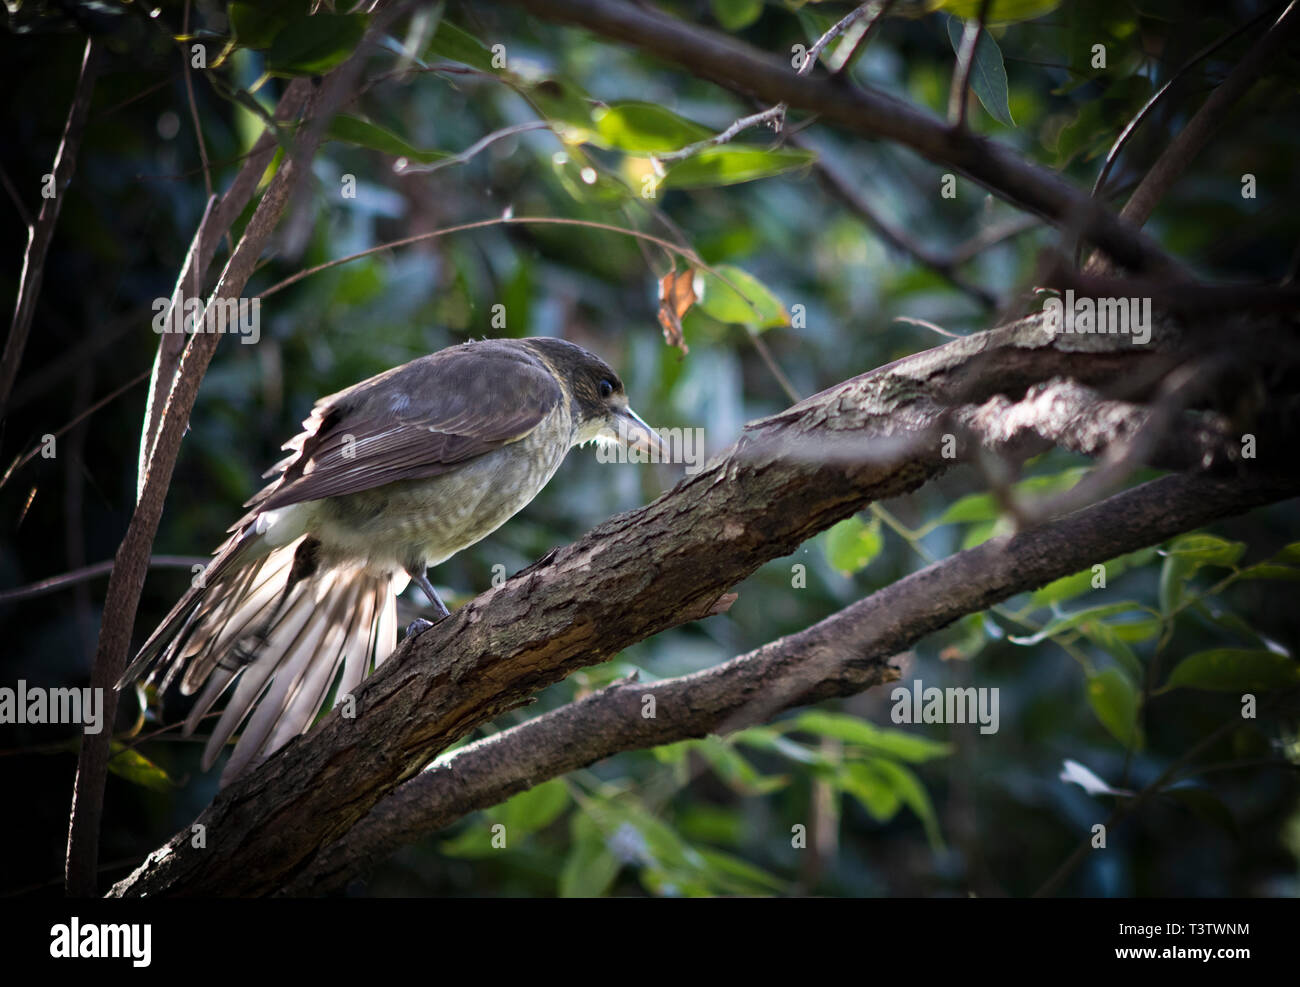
[(418, 626)]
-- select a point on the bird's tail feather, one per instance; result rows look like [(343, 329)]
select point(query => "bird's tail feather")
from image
[(282, 639)]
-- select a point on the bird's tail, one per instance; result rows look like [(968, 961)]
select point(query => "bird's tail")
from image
[(279, 629)]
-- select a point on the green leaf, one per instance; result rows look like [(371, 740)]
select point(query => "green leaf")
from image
[(255, 25), (474, 841), (913, 794), (1073, 620), (314, 45), (1000, 11), (568, 108), (731, 164), (753, 305), (988, 75), (590, 868), (872, 788), (534, 809), (1234, 670), (458, 45), (852, 544), (1207, 550), (737, 772), (723, 868), (983, 507), (128, 763), (736, 14), (363, 133), (895, 743), (584, 182), (1114, 698), (644, 127), (1068, 587), (1106, 637), (1267, 570), (1291, 553)]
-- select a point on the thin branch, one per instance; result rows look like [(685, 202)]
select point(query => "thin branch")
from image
[(40, 235), (32, 453), (1212, 114), (1113, 155), (55, 583), (857, 39), (404, 167), (773, 116), (970, 39), (768, 116), (991, 236), (194, 109), (848, 193), (15, 198)]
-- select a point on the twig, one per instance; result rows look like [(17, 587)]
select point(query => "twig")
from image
[(847, 52), (773, 115), (31, 454), (1151, 104), (194, 109), (40, 235), (848, 193), (405, 167), (85, 573), (769, 115), (14, 197), (992, 236), (1213, 112), (965, 64)]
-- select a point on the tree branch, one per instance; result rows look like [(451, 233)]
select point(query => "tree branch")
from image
[(741, 68), (844, 654)]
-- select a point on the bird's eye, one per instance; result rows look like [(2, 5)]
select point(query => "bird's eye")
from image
[(606, 387)]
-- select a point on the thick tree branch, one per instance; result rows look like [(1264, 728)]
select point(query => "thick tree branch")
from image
[(744, 69), (839, 656)]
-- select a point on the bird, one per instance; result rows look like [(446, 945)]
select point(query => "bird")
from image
[(388, 478)]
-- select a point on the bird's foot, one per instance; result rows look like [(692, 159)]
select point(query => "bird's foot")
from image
[(418, 626)]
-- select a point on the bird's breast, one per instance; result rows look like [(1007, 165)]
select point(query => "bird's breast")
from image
[(425, 521)]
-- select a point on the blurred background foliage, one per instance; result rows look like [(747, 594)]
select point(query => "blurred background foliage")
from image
[(1124, 680)]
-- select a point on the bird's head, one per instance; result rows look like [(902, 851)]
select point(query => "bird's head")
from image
[(597, 400)]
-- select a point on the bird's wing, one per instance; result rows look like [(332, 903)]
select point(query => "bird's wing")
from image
[(414, 422)]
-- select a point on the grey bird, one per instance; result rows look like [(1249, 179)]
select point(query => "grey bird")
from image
[(391, 476)]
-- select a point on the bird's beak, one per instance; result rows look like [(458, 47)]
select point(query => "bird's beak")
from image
[(636, 434)]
